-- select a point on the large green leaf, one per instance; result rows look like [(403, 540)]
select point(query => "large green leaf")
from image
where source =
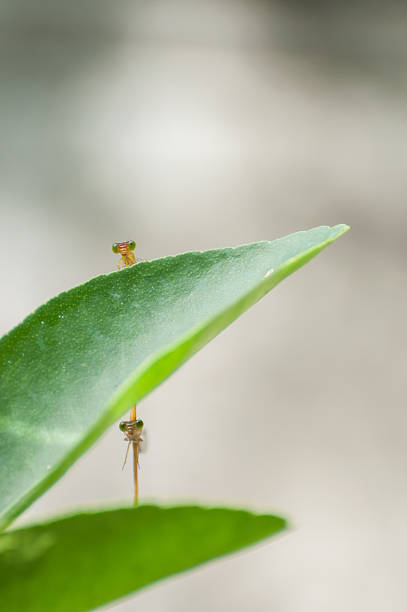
[(84, 561), (77, 363)]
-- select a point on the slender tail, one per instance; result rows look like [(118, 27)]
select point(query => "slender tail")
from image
[(133, 417), (133, 413), (135, 467)]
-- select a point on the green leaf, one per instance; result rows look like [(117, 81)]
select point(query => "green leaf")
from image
[(83, 561), (80, 361)]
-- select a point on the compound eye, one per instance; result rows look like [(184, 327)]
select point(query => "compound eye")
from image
[(115, 248), (123, 426), (139, 424), (132, 245)]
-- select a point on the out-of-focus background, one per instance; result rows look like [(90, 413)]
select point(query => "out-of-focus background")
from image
[(194, 125)]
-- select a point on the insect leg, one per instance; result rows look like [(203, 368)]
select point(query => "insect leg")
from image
[(127, 452)]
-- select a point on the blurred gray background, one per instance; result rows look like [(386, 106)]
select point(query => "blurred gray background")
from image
[(194, 125)]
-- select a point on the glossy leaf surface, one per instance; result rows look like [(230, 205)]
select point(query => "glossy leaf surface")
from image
[(80, 361), (83, 561)]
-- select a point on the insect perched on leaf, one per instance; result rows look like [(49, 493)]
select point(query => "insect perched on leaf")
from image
[(134, 435), (126, 251)]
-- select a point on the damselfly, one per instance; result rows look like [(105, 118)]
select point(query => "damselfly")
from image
[(126, 251), (133, 430)]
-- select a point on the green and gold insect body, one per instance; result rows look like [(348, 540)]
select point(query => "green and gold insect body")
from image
[(133, 430), (126, 251)]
